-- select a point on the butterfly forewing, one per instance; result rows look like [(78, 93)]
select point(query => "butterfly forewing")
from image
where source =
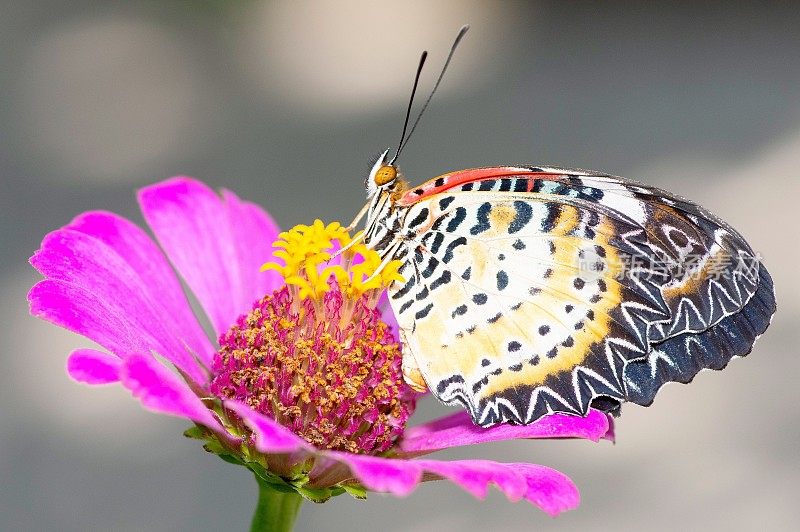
[(536, 290)]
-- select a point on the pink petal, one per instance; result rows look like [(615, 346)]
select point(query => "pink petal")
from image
[(161, 390), (475, 476), (90, 366), (149, 301), (550, 490), (144, 257), (271, 436), (213, 244), (611, 434), (398, 477), (544, 487), (83, 312), (254, 231), (458, 429)]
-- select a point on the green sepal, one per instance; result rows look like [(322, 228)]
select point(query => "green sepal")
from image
[(298, 482), (357, 491), (196, 433)]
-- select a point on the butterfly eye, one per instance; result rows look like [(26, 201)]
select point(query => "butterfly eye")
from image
[(385, 174)]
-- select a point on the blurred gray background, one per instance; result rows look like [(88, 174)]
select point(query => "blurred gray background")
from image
[(284, 103)]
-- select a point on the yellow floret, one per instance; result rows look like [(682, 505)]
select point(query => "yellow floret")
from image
[(305, 251)]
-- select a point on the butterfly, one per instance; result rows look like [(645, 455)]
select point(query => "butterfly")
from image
[(533, 289)]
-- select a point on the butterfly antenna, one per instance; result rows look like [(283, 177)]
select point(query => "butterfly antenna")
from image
[(403, 143), (410, 103)]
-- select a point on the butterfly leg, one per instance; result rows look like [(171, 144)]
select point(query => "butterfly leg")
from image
[(358, 217), (356, 239)]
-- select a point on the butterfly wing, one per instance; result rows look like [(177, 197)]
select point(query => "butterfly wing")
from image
[(536, 290)]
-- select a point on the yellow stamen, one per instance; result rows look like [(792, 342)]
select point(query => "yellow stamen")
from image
[(305, 249)]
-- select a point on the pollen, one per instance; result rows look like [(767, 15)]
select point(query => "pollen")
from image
[(330, 372)]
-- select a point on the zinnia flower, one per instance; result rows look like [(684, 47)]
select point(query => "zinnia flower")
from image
[(304, 386)]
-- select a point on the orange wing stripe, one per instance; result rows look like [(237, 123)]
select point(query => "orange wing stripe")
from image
[(453, 179)]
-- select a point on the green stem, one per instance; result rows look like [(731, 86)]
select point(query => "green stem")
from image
[(276, 510)]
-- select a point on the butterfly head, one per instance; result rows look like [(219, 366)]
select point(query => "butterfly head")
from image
[(383, 176)]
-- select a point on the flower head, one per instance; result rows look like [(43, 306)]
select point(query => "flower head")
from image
[(315, 355), (304, 386)]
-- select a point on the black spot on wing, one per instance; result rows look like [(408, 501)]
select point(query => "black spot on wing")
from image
[(483, 219), (419, 219), (519, 245), (480, 299), (405, 306), (524, 212), (487, 185), (406, 288), (502, 280), (457, 219), (424, 312), (433, 263), (467, 273), (480, 384), (442, 280), (439, 182), (444, 384), (437, 242), (448, 252), (445, 202), (459, 311)]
